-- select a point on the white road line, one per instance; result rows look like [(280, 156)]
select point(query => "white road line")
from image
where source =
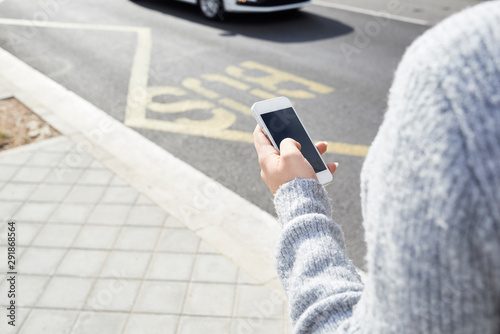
[(370, 12)]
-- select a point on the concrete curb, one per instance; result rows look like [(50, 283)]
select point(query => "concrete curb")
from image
[(238, 229)]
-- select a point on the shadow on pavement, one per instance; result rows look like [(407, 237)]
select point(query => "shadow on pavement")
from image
[(281, 27)]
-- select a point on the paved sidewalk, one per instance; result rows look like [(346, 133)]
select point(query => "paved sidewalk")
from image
[(96, 256), (111, 235)]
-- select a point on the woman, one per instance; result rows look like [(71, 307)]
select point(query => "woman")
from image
[(430, 198)]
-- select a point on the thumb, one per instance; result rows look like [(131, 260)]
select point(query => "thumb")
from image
[(288, 146)]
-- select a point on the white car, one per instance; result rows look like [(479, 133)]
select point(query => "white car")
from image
[(214, 9)]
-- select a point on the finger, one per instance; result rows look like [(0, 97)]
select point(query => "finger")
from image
[(289, 147), (332, 166), (322, 146), (262, 144)]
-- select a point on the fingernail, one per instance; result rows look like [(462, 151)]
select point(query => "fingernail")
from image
[(326, 143), (336, 164)]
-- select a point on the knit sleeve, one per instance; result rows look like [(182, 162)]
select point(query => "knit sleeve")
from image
[(430, 190), (321, 283)]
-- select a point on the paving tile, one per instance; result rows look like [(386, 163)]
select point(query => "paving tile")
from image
[(47, 159), (152, 324), (174, 240), (75, 158), (189, 325), (96, 165), (50, 192), (118, 182), (7, 209), (31, 174), (92, 322), (85, 194), (82, 263), (173, 223), (126, 264), (243, 278), (71, 213), (206, 248), (7, 171), (65, 292), (26, 233), (56, 235), (115, 214), (4, 287), (96, 176), (64, 146), (35, 211), (42, 261), (116, 194), (144, 215), (22, 314), (20, 251), (214, 268), (3, 236), (30, 288), (113, 295), (49, 322), (101, 237), (251, 299), (161, 297), (137, 238), (209, 299), (144, 200), (16, 191), (257, 325), (63, 175), (171, 266), (17, 159)]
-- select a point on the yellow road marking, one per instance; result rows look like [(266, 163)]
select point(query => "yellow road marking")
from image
[(233, 135), (218, 125), (347, 149), (181, 106), (235, 105), (174, 107), (262, 93), (221, 120), (137, 87), (273, 77), (226, 80), (195, 85)]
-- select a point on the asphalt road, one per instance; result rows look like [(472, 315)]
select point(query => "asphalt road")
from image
[(202, 76)]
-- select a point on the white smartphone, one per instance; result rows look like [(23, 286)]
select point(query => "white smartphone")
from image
[(278, 120)]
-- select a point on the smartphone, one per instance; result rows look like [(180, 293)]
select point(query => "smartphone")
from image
[(278, 120)]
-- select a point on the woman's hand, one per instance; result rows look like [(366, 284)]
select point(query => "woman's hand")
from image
[(278, 169)]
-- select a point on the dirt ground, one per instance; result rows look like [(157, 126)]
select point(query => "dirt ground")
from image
[(20, 126)]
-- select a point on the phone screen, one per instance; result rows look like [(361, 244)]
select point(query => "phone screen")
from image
[(283, 124)]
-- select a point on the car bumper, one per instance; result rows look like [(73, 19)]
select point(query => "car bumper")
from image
[(263, 5)]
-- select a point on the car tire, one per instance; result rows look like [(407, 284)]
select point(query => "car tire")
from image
[(212, 9)]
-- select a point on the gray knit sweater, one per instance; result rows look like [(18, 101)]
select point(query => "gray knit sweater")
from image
[(430, 197)]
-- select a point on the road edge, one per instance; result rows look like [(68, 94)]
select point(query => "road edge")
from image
[(237, 228)]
